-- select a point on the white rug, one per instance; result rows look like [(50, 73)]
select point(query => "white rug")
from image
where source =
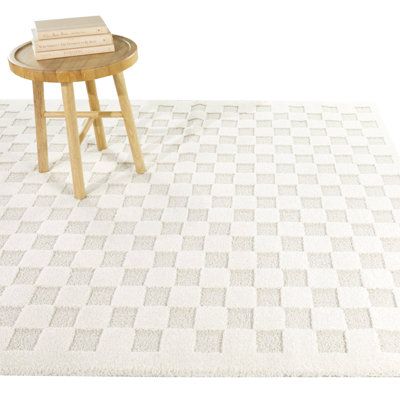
[(263, 240)]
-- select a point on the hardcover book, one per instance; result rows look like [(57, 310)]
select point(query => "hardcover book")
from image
[(71, 42), (46, 55), (66, 27)]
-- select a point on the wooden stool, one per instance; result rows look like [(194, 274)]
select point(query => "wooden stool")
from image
[(73, 69)]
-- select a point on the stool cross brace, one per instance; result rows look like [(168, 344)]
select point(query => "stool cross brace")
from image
[(93, 118)]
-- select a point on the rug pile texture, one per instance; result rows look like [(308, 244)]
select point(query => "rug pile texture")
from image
[(264, 240)]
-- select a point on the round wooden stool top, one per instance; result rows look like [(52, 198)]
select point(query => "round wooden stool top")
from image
[(72, 69)]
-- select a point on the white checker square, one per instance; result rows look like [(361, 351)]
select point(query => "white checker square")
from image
[(107, 277), (314, 244), (116, 339), (242, 260), (345, 260), (35, 316), (241, 297), (299, 341), (184, 296), (239, 341), (118, 243), (377, 278), (268, 278), (269, 318), (293, 260), (385, 318), (353, 297), (214, 277), (327, 318), (211, 318), (296, 297), (50, 276), (139, 259), (93, 317), (178, 341), (73, 296), (88, 258), (155, 317), (54, 339), (162, 277), (361, 340), (128, 296), (188, 258), (17, 295), (323, 278)]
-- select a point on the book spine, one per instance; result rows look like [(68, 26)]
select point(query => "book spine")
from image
[(47, 55), (72, 42), (43, 35)]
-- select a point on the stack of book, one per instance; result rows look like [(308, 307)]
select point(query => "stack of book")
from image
[(71, 37)]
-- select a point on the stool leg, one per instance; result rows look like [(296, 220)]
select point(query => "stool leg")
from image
[(73, 139), (130, 127), (40, 122), (98, 122)]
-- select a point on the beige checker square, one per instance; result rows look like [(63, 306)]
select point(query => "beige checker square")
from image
[(182, 317), (349, 278), (269, 341), (331, 341), (325, 297), (240, 318), (123, 317), (382, 298), (24, 339), (101, 295), (299, 318), (372, 260), (134, 276), (242, 278), (9, 315), (45, 295), (268, 297), (157, 296), (357, 318), (187, 277), (209, 341), (147, 340), (389, 341), (64, 317), (295, 277), (86, 340)]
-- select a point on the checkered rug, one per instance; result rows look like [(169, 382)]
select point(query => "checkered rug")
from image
[(263, 240)]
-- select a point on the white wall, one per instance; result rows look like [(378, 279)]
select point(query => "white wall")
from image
[(218, 49), (342, 50)]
